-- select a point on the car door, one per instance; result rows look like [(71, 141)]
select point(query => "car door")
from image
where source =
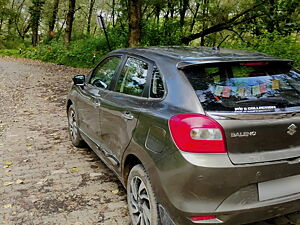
[(121, 108), (91, 95)]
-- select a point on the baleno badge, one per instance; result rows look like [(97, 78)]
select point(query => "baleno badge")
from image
[(292, 129)]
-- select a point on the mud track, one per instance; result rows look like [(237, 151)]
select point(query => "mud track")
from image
[(43, 178)]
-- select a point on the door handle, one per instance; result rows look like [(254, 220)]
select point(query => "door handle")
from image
[(96, 102), (128, 116)]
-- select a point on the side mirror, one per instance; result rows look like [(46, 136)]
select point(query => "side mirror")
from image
[(79, 80)]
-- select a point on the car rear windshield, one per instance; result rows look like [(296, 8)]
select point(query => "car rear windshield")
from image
[(246, 87)]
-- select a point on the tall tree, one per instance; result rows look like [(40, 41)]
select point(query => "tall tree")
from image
[(184, 4), (205, 4), (113, 12), (134, 22), (10, 20), (91, 7), (22, 20), (35, 12), (3, 12), (70, 20), (52, 20)]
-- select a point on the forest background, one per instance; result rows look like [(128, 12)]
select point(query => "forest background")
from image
[(66, 31)]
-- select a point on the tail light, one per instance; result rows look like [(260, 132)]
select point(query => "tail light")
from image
[(197, 133)]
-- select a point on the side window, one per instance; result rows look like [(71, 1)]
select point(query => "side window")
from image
[(103, 74), (157, 85), (133, 77)]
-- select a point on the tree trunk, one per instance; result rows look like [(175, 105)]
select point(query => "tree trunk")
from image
[(24, 26), (10, 21), (134, 18), (35, 12), (157, 13), (9, 25), (113, 12), (195, 17), (52, 21), (221, 26), (1, 22), (204, 15), (35, 36), (172, 10), (22, 33), (70, 20), (271, 14), (92, 3), (183, 8)]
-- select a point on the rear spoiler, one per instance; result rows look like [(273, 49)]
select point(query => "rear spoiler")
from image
[(185, 64)]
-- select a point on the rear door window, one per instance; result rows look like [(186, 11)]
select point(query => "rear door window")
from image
[(133, 77), (246, 87)]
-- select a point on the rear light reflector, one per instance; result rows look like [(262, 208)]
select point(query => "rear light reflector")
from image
[(198, 218), (197, 133)]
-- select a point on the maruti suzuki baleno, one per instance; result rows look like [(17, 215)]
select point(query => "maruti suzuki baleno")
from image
[(196, 135)]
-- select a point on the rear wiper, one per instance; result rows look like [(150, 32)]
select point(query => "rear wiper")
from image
[(276, 100)]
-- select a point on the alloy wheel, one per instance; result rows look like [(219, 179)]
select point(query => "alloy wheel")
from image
[(73, 125), (139, 202)]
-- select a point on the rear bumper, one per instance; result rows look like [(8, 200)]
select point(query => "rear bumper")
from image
[(244, 216), (210, 185), (233, 211)]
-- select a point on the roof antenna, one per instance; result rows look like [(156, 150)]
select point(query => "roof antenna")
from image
[(218, 47)]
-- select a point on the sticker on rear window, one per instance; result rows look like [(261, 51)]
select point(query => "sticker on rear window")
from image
[(218, 90), (226, 92), (247, 91), (234, 91), (252, 109), (241, 91), (263, 88), (275, 84), (256, 90)]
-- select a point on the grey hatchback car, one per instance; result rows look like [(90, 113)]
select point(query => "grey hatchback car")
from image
[(196, 135)]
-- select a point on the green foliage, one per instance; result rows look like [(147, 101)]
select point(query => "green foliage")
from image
[(4, 10), (79, 53), (273, 44), (271, 27), (10, 52), (167, 33), (35, 11)]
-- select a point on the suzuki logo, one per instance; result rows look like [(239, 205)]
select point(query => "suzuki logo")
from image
[(292, 129)]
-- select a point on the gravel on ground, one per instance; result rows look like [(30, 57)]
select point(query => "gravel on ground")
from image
[(43, 178)]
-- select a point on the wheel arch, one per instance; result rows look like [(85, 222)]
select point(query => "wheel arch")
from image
[(69, 103), (130, 161)]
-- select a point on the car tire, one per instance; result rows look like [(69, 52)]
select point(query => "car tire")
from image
[(142, 203), (74, 133)]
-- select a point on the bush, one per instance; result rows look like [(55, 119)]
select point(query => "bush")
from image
[(79, 53), (164, 34), (10, 52)]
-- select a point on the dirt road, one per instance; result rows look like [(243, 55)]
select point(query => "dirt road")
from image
[(43, 178)]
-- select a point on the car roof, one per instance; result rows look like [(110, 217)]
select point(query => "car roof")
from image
[(187, 56)]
